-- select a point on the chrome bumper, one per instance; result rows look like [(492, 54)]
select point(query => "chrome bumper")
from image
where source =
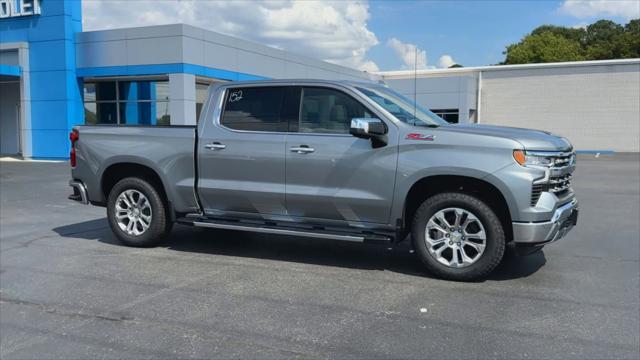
[(79, 192), (563, 220)]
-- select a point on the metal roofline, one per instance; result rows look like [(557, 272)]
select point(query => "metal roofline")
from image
[(474, 69)]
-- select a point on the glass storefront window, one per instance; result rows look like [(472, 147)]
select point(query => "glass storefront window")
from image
[(144, 102), (90, 113), (143, 90), (105, 90), (100, 113), (201, 92), (107, 113), (89, 92), (201, 96), (145, 113), (163, 116), (450, 115)]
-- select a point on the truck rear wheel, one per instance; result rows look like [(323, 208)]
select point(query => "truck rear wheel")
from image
[(458, 237), (136, 213)]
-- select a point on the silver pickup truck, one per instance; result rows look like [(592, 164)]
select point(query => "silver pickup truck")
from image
[(333, 160)]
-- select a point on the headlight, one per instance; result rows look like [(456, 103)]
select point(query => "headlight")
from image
[(525, 159)]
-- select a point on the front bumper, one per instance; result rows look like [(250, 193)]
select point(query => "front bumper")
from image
[(539, 233)]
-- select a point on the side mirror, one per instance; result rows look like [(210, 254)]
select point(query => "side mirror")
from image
[(367, 128)]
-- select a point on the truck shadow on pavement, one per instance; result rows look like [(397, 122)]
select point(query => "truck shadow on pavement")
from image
[(299, 250)]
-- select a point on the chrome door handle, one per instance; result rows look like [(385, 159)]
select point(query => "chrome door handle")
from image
[(215, 146), (302, 149)]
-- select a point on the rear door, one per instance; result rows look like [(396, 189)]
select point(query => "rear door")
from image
[(241, 156), (330, 174)]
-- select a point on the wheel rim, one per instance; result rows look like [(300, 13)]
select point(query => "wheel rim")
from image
[(455, 237), (133, 212)]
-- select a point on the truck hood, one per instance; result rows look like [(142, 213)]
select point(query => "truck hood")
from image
[(530, 139)]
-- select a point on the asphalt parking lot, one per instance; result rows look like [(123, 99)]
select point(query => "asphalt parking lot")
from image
[(68, 289)]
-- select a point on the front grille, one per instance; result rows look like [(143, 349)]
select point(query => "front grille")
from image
[(562, 161), (559, 185)]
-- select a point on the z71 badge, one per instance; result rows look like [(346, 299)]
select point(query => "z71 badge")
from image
[(418, 136)]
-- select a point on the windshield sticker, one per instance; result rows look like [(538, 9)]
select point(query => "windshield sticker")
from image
[(235, 96)]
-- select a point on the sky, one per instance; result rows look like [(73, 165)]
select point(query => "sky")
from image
[(375, 35)]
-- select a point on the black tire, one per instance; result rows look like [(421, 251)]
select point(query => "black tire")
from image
[(160, 224), (495, 237)]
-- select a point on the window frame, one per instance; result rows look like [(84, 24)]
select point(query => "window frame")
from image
[(225, 92), (223, 108), (450, 111), (118, 101), (363, 104)]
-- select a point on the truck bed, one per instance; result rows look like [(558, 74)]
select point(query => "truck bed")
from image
[(167, 150)]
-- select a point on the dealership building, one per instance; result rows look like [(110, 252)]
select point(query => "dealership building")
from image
[(596, 104), (54, 76)]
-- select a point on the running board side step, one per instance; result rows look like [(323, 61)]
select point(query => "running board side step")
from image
[(268, 230), (311, 233)]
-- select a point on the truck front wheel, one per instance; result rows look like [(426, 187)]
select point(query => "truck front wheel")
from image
[(457, 236), (136, 213)]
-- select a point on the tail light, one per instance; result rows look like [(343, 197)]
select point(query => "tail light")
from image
[(74, 135)]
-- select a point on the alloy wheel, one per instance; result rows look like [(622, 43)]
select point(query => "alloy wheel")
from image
[(455, 237), (133, 212)]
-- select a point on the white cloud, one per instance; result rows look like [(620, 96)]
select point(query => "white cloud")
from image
[(446, 61), (411, 56), (626, 9), (334, 31)]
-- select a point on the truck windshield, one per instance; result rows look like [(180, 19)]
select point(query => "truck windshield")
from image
[(401, 107)]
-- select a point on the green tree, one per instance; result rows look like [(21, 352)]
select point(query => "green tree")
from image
[(455, 66), (543, 47), (633, 27), (626, 46), (602, 31), (601, 40), (574, 34)]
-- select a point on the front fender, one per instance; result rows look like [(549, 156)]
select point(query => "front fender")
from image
[(417, 163)]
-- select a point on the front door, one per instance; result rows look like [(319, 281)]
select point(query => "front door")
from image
[(332, 175), (9, 117), (241, 159)]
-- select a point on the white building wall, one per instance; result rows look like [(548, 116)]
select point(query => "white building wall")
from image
[(439, 91), (182, 99), (180, 43), (596, 104), (597, 107)]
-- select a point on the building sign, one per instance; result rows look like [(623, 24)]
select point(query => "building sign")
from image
[(18, 8)]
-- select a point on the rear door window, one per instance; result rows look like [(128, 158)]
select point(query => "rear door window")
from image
[(255, 109)]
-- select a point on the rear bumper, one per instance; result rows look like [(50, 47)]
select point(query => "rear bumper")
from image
[(539, 233), (79, 192)]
